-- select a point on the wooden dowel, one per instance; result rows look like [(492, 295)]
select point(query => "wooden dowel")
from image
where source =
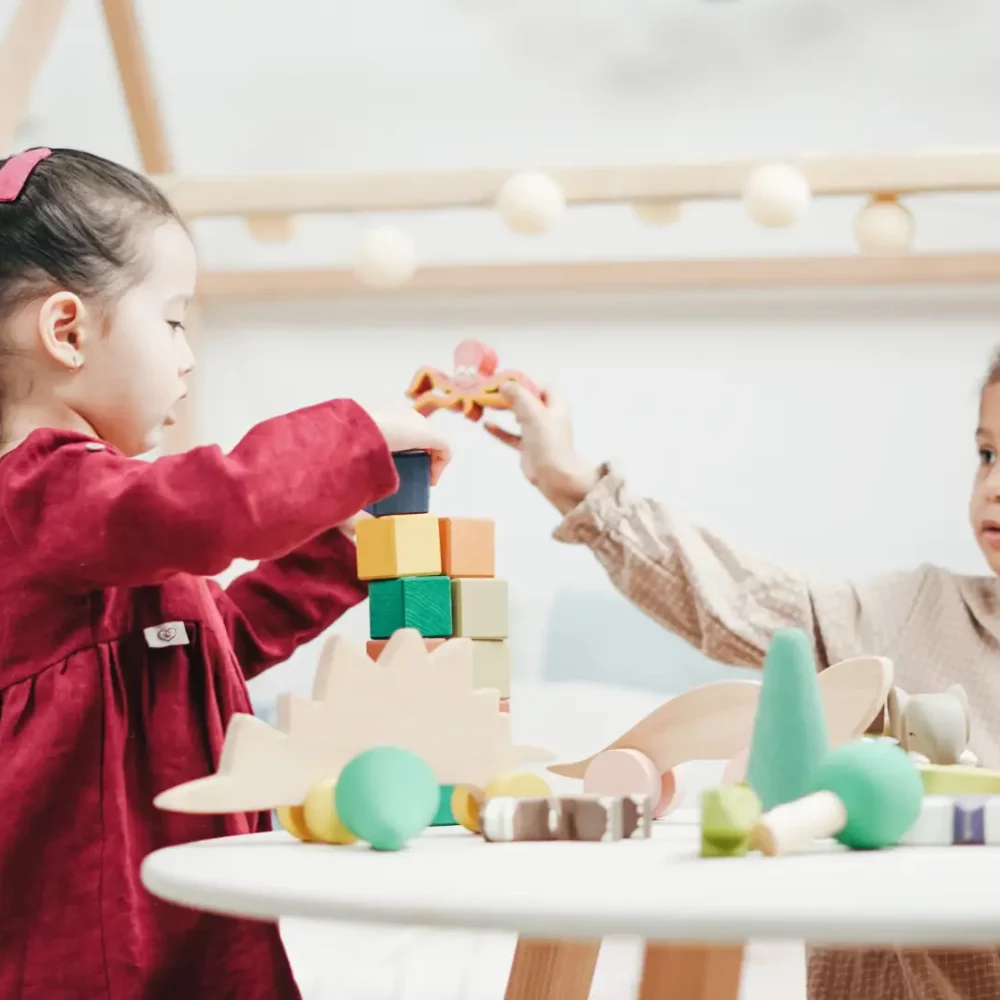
[(605, 276), (833, 175), (22, 53), (140, 95)]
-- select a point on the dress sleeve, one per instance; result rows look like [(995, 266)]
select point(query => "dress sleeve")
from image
[(88, 517), (725, 602), (274, 608)]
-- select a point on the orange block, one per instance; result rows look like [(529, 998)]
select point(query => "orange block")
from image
[(505, 705), (467, 546), (375, 646)]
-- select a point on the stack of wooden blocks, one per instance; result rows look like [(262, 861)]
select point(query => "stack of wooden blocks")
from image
[(435, 575)]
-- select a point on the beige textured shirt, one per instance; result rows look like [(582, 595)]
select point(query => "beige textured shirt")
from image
[(938, 628)]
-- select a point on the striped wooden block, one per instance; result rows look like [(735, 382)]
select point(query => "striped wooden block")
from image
[(953, 821), (571, 817)]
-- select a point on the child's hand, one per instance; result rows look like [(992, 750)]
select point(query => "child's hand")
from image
[(406, 430), (548, 459), (349, 528)]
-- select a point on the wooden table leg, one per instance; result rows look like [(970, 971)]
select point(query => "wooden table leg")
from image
[(690, 972), (552, 970)]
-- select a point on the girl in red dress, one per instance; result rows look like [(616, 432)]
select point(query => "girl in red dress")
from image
[(121, 662)]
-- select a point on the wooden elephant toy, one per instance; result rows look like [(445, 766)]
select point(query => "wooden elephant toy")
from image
[(932, 728)]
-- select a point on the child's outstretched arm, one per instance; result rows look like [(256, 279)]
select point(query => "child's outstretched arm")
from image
[(274, 608), (87, 517), (724, 602)]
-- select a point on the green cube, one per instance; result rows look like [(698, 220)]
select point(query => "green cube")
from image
[(420, 602), (444, 816)]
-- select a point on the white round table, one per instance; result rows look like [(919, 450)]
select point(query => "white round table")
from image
[(553, 894)]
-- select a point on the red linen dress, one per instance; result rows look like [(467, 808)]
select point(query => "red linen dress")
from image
[(120, 665)]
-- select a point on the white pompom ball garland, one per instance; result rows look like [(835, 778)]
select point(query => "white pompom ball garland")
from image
[(776, 195), (385, 258), (530, 203), (884, 228)]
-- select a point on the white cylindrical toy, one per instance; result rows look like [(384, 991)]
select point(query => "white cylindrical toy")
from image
[(791, 827)]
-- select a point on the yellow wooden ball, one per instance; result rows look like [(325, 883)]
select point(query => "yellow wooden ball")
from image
[(320, 815), (291, 818), (520, 784), (465, 803)]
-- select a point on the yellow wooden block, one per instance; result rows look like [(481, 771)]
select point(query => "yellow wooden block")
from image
[(398, 545), (958, 779), (491, 665), (479, 608)]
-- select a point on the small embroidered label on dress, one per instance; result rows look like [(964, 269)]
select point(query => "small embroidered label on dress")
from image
[(167, 634)]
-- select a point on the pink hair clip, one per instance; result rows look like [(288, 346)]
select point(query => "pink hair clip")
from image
[(15, 172)]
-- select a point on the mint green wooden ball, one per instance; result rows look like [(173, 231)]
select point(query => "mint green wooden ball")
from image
[(880, 787), (386, 796)]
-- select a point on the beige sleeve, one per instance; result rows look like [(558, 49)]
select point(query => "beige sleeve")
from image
[(728, 603)]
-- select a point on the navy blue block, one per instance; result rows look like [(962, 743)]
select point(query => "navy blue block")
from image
[(414, 493)]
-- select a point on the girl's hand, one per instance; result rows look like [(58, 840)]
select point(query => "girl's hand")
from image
[(548, 459), (406, 430), (349, 528)]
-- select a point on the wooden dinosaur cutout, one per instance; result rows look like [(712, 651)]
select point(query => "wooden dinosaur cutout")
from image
[(411, 698)]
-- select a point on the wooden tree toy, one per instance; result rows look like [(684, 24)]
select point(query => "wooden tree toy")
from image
[(790, 735), (436, 575), (412, 699), (470, 388), (867, 794)]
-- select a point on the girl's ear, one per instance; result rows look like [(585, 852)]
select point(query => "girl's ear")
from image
[(65, 329)]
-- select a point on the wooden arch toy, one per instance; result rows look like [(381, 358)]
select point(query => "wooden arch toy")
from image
[(715, 722)]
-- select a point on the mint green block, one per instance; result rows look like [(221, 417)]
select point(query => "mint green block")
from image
[(790, 736), (420, 602), (444, 815)]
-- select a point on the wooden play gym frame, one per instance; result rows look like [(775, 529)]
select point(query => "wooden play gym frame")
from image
[(267, 202)]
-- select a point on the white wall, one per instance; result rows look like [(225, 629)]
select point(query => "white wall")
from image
[(831, 430)]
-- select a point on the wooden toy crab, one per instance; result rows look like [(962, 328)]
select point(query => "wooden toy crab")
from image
[(472, 387), (412, 699)]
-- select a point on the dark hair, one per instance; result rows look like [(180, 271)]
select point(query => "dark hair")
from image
[(74, 226)]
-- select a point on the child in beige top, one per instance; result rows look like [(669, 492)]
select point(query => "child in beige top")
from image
[(937, 627)]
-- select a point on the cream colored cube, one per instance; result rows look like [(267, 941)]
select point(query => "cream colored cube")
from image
[(491, 665), (479, 608)]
